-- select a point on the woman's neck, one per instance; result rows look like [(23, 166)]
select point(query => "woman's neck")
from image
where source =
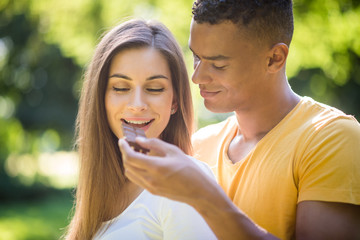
[(129, 193)]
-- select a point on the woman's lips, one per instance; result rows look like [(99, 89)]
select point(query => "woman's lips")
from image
[(143, 123)]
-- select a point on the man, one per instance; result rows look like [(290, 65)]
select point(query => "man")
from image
[(288, 167)]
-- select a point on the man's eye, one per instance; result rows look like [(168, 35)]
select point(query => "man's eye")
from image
[(155, 89), (219, 67), (120, 89)]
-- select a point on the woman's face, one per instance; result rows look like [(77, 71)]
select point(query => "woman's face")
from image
[(139, 91)]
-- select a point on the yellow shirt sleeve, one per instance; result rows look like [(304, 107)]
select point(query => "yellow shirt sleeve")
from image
[(329, 169)]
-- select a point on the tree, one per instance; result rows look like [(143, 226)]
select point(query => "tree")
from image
[(37, 95)]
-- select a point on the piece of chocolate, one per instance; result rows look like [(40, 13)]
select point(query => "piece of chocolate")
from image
[(130, 133)]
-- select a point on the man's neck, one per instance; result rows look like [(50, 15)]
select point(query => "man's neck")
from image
[(257, 121)]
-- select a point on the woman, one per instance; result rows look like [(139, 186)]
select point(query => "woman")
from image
[(138, 77)]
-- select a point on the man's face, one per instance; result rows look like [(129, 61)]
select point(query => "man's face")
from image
[(229, 67)]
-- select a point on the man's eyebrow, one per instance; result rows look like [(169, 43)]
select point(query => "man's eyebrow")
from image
[(119, 75), (213, 58)]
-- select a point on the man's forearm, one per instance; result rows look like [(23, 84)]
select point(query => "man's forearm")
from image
[(225, 219)]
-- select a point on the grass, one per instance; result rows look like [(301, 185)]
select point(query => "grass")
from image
[(41, 219)]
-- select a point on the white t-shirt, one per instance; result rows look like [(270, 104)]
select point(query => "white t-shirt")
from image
[(154, 217)]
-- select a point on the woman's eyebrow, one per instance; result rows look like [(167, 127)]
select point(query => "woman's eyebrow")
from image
[(119, 75), (156, 77)]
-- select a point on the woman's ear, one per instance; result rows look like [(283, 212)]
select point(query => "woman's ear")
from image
[(174, 108), (277, 57)]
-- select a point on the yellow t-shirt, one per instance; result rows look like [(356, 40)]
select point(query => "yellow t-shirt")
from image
[(312, 154)]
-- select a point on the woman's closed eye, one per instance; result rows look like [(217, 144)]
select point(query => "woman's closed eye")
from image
[(155, 90), (120, 89)]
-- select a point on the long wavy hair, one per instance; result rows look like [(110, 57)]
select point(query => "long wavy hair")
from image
[(101, 176)]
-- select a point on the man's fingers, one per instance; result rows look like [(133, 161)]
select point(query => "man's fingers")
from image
[(133, 158), (158, 146), (141, 179)]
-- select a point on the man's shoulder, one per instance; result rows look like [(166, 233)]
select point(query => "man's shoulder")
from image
[(208, 140), (317, 123), (215, 130), (322, 115)]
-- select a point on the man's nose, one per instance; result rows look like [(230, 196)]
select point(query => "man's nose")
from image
[(137, 102), (200, 75)]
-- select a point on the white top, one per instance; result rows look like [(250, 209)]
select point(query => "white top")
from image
[(154, 217)]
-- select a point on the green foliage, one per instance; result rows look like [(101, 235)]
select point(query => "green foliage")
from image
[(44, 218), (37, 82), (325, 33), (76, 26), (324, 57), (37, 99)]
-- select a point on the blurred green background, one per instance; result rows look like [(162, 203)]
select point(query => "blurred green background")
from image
[(44, 48)]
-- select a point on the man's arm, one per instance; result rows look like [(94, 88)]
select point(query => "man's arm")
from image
[(327, 220), (171, 174), (174, 176), (328, 172)]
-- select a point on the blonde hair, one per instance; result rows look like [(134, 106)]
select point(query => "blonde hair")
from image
[(101, 176)]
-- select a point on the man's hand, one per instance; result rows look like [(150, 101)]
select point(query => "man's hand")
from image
[(166, 171)]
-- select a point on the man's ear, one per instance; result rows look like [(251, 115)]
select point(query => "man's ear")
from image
[(277, 57)]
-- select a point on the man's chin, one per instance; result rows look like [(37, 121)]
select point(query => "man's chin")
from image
[(216, 107)]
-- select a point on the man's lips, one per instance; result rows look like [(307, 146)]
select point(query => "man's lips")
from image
[(208, 94)]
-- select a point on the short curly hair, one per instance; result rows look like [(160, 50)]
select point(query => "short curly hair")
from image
[(270, 20)]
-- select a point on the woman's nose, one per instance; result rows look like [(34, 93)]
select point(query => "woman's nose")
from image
[(137, 102)]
